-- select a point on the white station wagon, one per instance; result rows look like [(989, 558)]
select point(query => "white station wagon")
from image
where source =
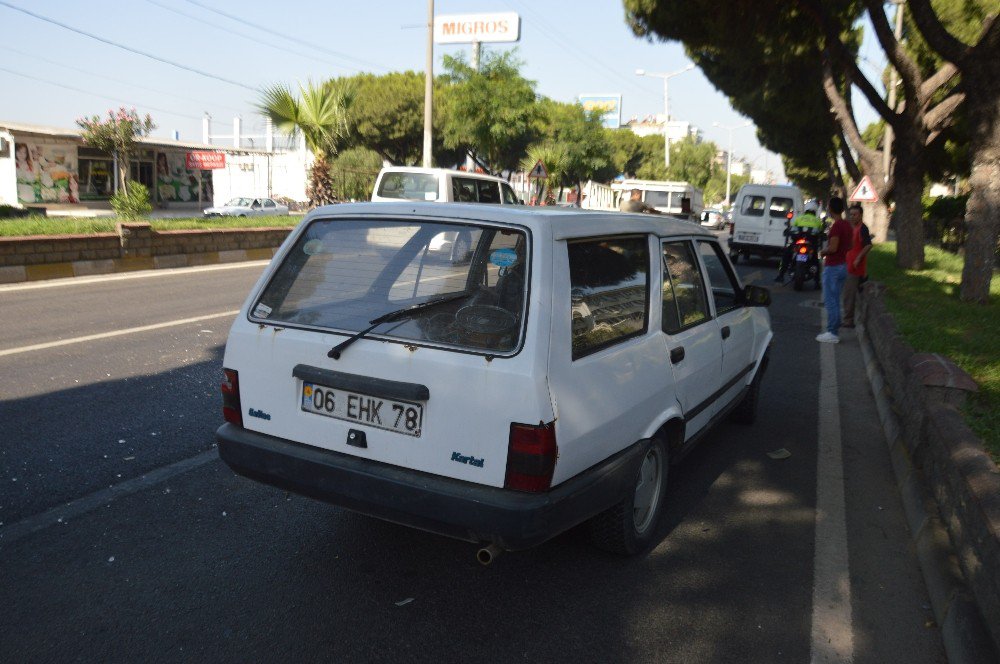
[(547, 381)]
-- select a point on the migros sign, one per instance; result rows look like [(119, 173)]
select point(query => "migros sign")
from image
[(467, 28)]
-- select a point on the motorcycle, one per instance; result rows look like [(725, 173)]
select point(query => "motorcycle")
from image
[(805, 260)]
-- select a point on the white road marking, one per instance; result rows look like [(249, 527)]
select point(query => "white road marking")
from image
[(125, 276), (832, 629), (80, 506), (115, 333)]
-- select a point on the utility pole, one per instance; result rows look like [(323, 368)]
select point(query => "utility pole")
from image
[(729, 153), (429, 89), (891, 94), (666, 104)]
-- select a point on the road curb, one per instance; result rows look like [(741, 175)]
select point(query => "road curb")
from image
[(963, 631)]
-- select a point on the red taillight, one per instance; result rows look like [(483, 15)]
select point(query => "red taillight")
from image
[(801, 240), (803, 249), (531, 457), (231, 410), (790, 215)]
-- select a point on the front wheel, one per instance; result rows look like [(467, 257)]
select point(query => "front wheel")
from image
[(629, 527)]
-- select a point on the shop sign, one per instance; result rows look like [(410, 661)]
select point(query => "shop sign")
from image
[(204, 160), (469, 28)]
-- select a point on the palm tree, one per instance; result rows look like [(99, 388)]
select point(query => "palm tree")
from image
[(320, 114)]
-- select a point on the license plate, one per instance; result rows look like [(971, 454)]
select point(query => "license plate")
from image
[(802, 258), (748, 237), (399, 416)]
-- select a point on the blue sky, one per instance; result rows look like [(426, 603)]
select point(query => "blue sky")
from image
[(51, 76)]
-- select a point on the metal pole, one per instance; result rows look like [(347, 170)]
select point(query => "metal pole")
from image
[(891, 98), (666, 121), (477, 50), (729, 165), (429, 88)]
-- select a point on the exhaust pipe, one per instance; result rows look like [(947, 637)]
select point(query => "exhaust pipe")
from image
[(488, 554)]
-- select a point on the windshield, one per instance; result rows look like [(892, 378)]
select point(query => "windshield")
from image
[(342, 275), (409, 186), (239, 202)]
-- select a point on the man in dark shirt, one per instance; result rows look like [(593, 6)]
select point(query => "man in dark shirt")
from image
[(857, 261), (834, 269), (634, 204)]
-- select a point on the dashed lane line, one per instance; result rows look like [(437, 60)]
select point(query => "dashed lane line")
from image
[(115, 333)]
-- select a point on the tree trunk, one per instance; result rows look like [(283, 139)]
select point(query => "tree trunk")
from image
[(123, 165), (321, 190), (908, 217), (877, 219), (982, 213)]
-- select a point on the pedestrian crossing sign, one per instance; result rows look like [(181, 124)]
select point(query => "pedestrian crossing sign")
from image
[(865, 191), (539, 171)]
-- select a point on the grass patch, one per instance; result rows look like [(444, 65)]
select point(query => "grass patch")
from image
[(37, 225), (932, 319)]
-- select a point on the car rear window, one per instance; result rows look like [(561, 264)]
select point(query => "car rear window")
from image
[(341, 274), (610, 292), (753, 206), (780, 207), (409, 186)]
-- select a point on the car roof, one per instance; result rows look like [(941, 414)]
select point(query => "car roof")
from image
[(562, 223), (441, 171)]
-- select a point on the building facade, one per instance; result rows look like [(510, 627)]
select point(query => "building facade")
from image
[(49, 166)]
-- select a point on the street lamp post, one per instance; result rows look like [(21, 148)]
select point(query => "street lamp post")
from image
[(729, 152), (666, 103)]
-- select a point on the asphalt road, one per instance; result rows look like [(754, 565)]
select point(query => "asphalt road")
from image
[(163, 554)]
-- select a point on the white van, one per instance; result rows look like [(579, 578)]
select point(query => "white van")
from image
[(760, 216), (412, 183), (546, 382)]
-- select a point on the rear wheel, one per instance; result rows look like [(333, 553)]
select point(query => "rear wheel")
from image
[(800, 275), (629, 527), (746, 411)]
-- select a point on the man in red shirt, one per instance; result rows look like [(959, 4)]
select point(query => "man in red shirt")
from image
[(834, 269), (857, 261)]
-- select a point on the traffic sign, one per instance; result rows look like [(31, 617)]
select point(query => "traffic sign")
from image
[(865, 191), (539, 171)]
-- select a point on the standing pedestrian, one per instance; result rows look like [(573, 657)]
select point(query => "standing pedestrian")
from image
[(634, 204), (857, 261), (834, 269)]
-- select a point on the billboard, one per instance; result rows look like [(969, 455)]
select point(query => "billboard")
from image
[(468, 28), (609, 106)]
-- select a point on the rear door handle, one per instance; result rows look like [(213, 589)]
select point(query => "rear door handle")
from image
[(725, 332), (677, 354)]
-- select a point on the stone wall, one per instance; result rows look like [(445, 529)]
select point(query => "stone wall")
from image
[(926, 393), (135, 246)]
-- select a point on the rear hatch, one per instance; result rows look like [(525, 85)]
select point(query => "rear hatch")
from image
[(434, 386)]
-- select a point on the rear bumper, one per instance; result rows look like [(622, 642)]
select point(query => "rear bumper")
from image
[(472, 512), (758, 249)]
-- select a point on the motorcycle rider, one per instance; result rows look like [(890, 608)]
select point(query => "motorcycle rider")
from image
[(806, 223)]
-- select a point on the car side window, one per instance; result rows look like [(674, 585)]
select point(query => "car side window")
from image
[(753, 206), (268, 203), (463, 190), (489, 192), (725, 288), (509, 197), (684, 303), (609, 281)]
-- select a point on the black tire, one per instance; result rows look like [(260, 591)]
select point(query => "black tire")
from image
[(799, 278), (746, 411), (615, 530)]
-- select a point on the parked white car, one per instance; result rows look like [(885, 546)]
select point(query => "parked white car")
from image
[(247, 207), (547, 381)]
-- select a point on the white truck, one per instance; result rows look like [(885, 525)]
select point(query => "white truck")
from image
[(679, 199)]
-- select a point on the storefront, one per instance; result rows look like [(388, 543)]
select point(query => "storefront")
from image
[(53, 166)]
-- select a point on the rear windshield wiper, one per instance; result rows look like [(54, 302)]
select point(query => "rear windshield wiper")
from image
[(398, 314)]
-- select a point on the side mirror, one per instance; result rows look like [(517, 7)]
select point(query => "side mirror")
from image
[(756, 296)]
